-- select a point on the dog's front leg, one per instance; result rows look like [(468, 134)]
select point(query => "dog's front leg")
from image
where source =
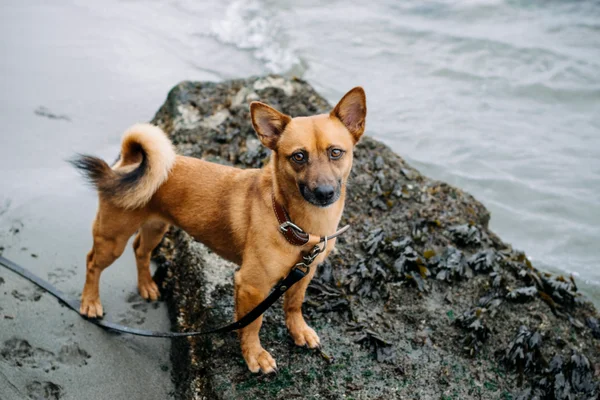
[(292, 305), (250, 290)]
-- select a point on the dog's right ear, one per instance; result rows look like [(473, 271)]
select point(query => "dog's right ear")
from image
[(352, 111), (268, 123)]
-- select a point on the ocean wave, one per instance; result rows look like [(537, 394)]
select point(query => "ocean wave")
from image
[(549, 92), (249, 25)]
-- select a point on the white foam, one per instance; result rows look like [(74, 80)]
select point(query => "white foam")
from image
[(249, 25)]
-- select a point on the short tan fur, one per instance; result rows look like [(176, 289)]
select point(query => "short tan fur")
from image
[(228, 209)]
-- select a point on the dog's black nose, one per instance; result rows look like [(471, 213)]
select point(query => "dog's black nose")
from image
[(324, 193)]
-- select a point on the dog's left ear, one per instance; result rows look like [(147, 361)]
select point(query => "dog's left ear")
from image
[(352, 111), (268, 123)]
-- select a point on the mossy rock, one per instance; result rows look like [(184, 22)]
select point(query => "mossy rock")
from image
[(420, 300)]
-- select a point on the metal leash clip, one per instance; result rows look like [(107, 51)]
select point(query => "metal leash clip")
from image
[(307, 259)]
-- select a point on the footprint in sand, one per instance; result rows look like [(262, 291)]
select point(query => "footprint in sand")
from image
[(20, 353), (44, 390), (139, 307), (72, 354), (59, 275), (28, 294)]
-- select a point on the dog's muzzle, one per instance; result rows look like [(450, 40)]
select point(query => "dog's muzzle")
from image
[(322, 195)]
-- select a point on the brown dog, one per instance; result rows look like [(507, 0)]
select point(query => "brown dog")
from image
[(230, 210)]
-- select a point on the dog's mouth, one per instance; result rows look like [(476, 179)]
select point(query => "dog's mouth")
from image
[(322, 196)]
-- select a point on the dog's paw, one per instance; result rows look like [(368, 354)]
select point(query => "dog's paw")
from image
[(91, 307), (149, 290), (260, 360), (303, 334)]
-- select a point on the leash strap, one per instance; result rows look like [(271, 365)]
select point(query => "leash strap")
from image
[(293, 233), (294, 276)]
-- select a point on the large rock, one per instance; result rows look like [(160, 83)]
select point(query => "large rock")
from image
[(420, 300)]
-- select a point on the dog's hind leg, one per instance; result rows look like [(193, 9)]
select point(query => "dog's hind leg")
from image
[(149, 236), (112, 229)]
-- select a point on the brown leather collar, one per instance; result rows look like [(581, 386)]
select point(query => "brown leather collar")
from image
[(292, 233)]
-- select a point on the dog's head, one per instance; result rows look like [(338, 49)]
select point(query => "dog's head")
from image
[(313, 155)]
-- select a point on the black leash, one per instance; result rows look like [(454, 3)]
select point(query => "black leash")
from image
[(296, 274), (299, 271)]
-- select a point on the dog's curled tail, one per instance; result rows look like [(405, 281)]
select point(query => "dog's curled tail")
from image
[(146, 159)]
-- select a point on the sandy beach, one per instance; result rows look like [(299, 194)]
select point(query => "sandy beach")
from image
[(47, 351)]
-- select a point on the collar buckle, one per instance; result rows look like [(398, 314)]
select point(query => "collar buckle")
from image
[(289, 224)]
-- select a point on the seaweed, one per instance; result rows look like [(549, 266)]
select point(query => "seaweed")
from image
[(497, 279), (376, 268), (490, 302), (484, 260), (374, 241), (561, 294), (563, 291), (465, 235), (557, 380), (382, 350), (522, 294), (524, 353), (419, 228), (325, 298), (366, 275), (593, 324), (570, 380), (452, 264), (477, 333), (411, 266)]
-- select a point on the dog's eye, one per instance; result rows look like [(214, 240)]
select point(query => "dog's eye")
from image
[(299, 157), (336, 154)]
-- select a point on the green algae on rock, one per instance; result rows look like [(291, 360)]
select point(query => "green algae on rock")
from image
[(420, 300)]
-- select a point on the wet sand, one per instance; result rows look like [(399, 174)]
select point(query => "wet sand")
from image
[(60, 95), (48, 351)]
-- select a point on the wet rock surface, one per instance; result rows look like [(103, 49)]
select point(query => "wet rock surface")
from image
[(420, 301)]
